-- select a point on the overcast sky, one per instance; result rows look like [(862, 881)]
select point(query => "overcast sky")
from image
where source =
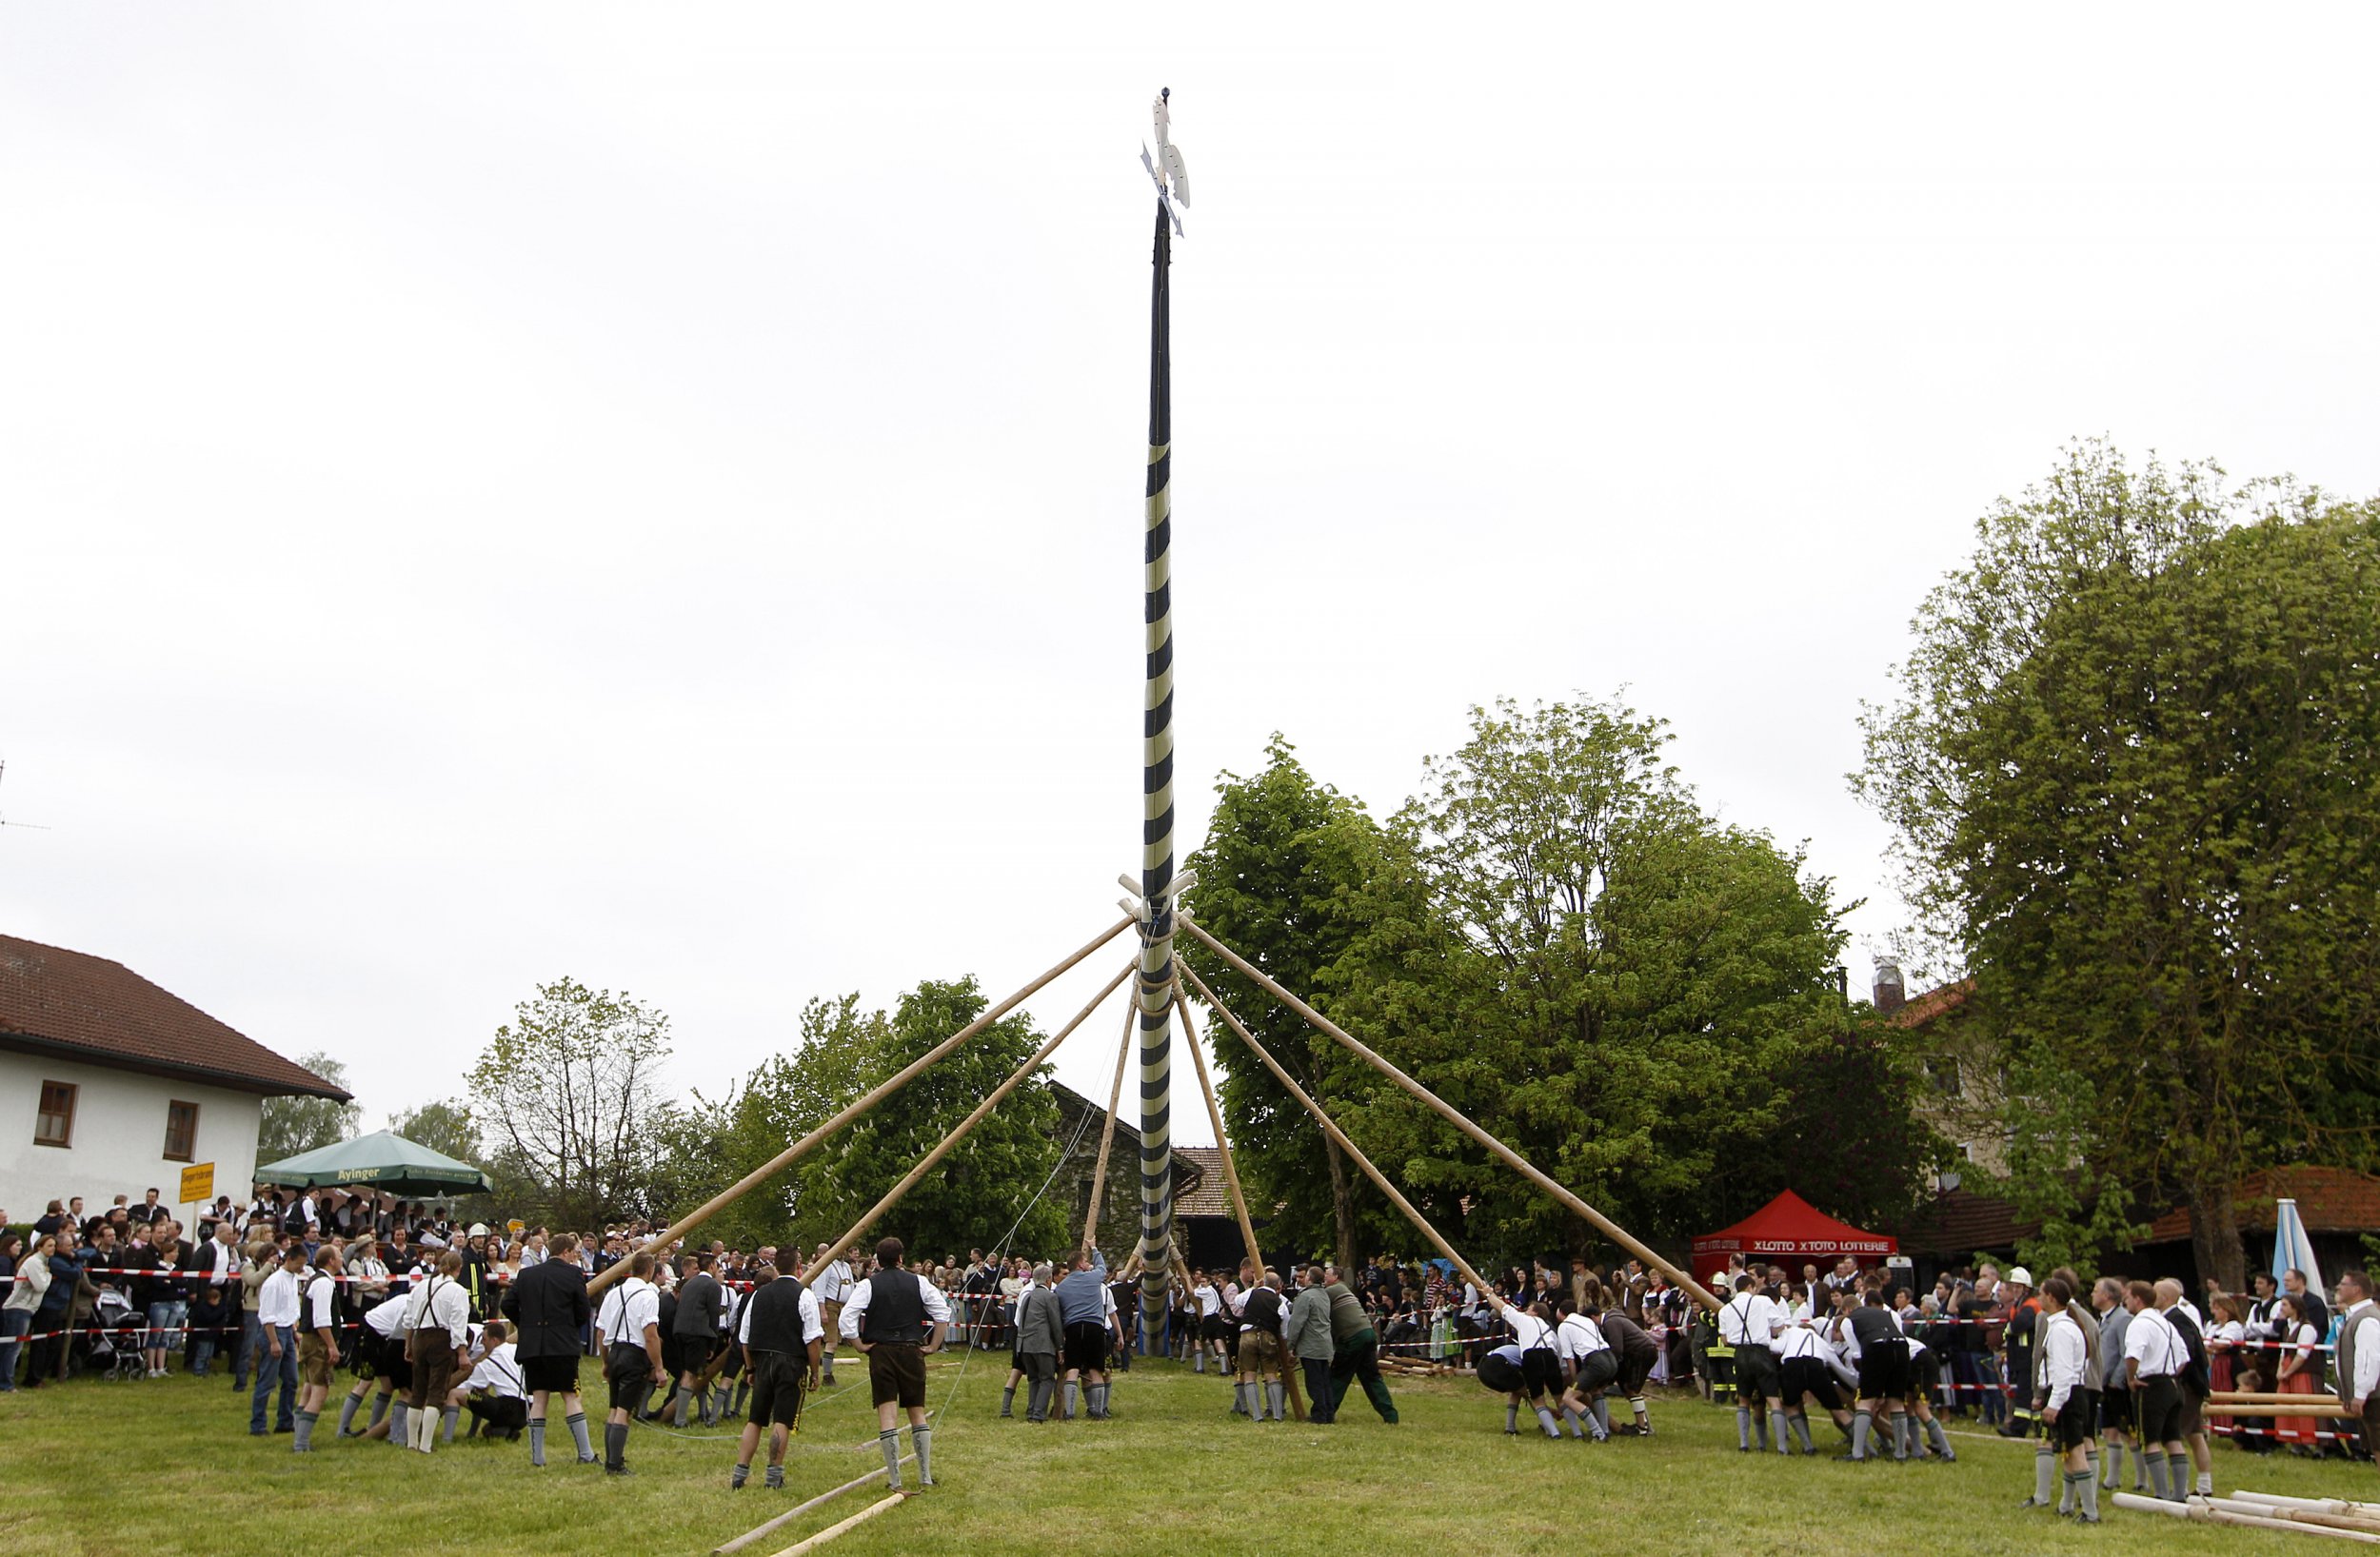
[(653, 493)]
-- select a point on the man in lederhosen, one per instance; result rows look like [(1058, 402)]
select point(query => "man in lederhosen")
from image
[(831, 1282), (1527, 1368), (1637, 1353), (629, 1328), (1749, 1327), (2063, 1350), (549, 1310), (1588, 1361), (2155, 1357), (438, 1320), (898, 1320), (702, 1307), (1261, 1355), (1882, 1355), (783, 1339)]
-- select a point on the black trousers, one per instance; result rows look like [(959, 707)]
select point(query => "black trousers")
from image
[(1318, 1376)]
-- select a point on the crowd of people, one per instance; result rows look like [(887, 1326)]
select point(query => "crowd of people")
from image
[(436, 1319)]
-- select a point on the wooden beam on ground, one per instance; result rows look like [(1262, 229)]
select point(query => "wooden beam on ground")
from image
[(2368, 1523), (874, 1095), (1107, 1137), (2327, 1506), (1354, 1151), (915, 1175), (1231, 1181), (803, 1548), (2208, 1514), (1454, 1115), (799, 1509)]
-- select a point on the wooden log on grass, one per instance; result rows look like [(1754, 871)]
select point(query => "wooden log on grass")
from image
[(2208, 1514), (2318, 1406), (803, 1548), (911, 1180), (800, 1509), (1231, 1182), (1453, 1115), (2368, 1523), (874, 1095), (2340, 1506)]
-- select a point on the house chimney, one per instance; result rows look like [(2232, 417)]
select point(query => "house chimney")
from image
[(1889, 995)]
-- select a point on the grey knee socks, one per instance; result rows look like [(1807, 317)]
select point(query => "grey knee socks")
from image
[(2153, 1460), (1278, 1395), (305, 1439), (1743, 1427), (399, 1424), (1861, 1423), (1545, 1420), (348, 1408), (576, 1422), (448, 1417), (889, 1441), (380, 1408), (1512, 1418), (537, 1440), (921, 1440)]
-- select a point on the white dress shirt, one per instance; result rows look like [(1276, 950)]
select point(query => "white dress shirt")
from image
[(2066, 1351), (628, 1309), (813, 1325), (2363, 1321), (1578, 1337), (2151, 1341), (319, 1292), (855, 1309), (277, 1300), (441, 1304), (499, 1373), (1751, 1319)]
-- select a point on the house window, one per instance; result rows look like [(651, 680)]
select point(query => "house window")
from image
[(180, 1130), (54, 1124)]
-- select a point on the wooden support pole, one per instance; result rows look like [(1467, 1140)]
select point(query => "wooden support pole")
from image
[(911, 1180), (1231, 1180), (1455, 1116), (2317, 1407), (1107, 1137), (2369, 1523), (803, 1548), (1354, 1151), (874, 1095), (2323, 1505), (2207, 1512), (799, 1509)]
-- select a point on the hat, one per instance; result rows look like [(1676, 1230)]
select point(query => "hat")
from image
[(2021, 1276), (479, 1230)]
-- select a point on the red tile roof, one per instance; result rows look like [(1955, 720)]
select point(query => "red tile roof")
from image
[(1206, 1195), (1922, 1009), (2330, 1199), (76, 1006), (1961, 1222)]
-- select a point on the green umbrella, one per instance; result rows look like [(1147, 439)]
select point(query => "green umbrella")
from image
[(382, 1160)]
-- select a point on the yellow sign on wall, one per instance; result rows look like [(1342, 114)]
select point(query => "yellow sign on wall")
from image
[(198, 1185)]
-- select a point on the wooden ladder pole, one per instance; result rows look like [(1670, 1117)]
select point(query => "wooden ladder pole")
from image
[(874, 1095), (1353, 1151), (911, 1180), (1107, 1137), (803, 1548), (1455, 1116), (1231, 1180)]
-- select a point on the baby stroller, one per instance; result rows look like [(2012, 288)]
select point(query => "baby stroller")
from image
[(117, 1329)]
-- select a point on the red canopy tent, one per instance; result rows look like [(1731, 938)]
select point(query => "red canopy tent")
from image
[(1789, 1231)]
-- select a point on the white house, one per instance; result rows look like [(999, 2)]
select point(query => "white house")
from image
[(110, 1085)]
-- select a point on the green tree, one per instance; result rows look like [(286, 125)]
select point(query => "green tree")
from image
[(444, 1126), (973, 1195), (292, 1125), (1282, 882), (707, 1145), (2130, 772), (1598, 973), (566, 1094)]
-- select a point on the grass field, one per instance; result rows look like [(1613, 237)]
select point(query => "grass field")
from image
[(154, 1468)]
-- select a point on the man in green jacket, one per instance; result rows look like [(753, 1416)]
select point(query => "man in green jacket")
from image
[(1355, 1350), (1308, 1335)]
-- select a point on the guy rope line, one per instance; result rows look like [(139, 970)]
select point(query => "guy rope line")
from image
[(1231, 1178), (1455, 1116), (874, 1095)]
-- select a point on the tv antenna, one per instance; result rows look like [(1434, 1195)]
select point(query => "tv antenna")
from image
[(3, 821)]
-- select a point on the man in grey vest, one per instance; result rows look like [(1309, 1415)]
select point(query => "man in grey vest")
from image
[(2359, 1356), (783, 1340), (898, 1320)]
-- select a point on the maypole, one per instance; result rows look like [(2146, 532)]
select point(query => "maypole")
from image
[(1158, 886)]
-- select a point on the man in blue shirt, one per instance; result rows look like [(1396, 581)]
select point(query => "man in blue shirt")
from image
[(1083, 1303)]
